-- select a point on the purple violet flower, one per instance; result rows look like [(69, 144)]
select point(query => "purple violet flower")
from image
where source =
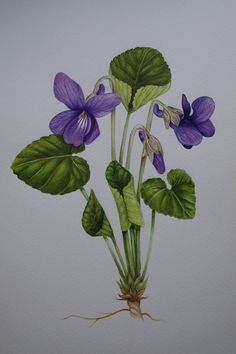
[(193, 127), (153, 150), (79, 124)]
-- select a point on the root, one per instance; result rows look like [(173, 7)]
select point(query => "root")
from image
[(111, 314), (96, 319), (152, 318)]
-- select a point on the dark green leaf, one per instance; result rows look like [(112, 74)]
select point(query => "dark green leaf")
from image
[(141, 74), (121, 183), (47, 164), (179, 201), (94, 219)]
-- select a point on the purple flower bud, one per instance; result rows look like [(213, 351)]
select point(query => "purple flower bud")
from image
[(153, 149), (158, 162)]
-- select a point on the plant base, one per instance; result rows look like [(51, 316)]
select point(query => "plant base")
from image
[(134, 309)]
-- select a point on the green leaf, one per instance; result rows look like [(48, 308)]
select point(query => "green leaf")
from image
[(121, 183), (179, 201), (148, 93), (123, 90), (141, 74), (47, 164), (94, 219)]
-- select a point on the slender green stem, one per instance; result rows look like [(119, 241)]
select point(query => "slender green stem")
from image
[(128, 254), (149, 244), (113, 113), (124, 137), (85, 194), (119, 254), (133, 246), (141, 172), (131, 143), (138, 251), (113, 133), (114, 257), (144, 157)]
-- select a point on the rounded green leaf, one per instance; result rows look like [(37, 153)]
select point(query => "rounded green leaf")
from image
[(179, 201), (94, 219), (141, 74), (47, 164)]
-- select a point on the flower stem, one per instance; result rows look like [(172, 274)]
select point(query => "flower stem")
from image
[(149, 244), (141, 172), (124, 136), (114, 257), (138, 251), (119, 254), (131, 143), (113, 129), (128, 254), (144, 157), (113, 113), (133, 246), (85, 194)]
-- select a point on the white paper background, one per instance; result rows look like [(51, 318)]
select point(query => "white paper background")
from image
[(48, 266)]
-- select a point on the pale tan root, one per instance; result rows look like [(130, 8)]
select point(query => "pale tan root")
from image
[(95, 319), (111, 314)]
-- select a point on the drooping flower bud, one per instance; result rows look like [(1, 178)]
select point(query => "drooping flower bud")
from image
[(169, 115), (153, 149)]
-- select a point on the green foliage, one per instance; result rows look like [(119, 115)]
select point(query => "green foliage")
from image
[(94, 219), (141, 74), (179, 201), (48, 165), (130, 285), (121, 183)]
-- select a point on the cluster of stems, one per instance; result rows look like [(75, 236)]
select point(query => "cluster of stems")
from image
[(129, 264)]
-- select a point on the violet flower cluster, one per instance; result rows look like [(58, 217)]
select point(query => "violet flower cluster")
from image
[(78, 125)]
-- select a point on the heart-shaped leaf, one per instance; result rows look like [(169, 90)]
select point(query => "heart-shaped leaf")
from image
[(47, 164), (141, 74), (179, 201), (94, 219), (121, 183)]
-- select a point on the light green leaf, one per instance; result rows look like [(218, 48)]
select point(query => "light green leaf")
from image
[(47, 164), (141, 75), (94, 219), (148, 93), (121, 183), (123, 91), (179, 201)]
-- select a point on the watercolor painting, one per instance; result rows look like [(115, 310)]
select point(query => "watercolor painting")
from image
[(118, 175), (54, 164)]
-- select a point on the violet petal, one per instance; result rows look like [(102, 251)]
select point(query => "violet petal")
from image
[(77, 129), (59, 122), (68, 91), (93, 133), (100, 105), (142, 135), (187, 133), (203, 108), (186, 105), (101, 90), (157, 111), (158, 163), (187, 146), (206, 128)]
